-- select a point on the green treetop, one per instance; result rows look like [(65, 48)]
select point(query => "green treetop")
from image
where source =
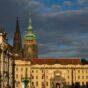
[(30, 35)]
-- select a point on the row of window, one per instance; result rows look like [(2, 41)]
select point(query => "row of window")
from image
[(17, 69), (79, 71), (38, 77), (82, 77), (31, 76), (79, 77), (41, 83)]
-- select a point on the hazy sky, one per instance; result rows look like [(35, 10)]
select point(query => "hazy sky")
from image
[(61, 26)]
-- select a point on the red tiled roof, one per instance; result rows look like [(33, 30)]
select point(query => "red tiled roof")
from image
[(56, 61), (52, 61)]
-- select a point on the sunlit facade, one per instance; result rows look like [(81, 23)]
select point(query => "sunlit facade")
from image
[(48, 74), (6, 63)]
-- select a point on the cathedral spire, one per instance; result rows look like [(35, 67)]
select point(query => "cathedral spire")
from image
[(17, 45), (17, 26)]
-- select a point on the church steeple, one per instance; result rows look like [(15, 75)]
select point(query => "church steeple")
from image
[(30, 44), (30, 25), (17, 26), (17, 45), (30, 35)]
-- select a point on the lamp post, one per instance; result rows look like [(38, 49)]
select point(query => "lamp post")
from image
[(26, 79), (72, 77), (0, 80)]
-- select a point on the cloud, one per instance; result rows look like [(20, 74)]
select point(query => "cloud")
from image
[(59, 33), (67, 3), (56, 7), (53, 8), (34, 4), (81, 2)]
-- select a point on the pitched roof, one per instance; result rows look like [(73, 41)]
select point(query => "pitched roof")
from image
[(56, 61), (52, 61)]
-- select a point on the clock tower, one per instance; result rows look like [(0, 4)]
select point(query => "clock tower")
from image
[(30, 44)]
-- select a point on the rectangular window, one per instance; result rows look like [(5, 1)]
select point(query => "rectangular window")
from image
[(78, 77), (36, 71), (36, 83), (68, 71), (46, 83), (82, 83), (87, 83), (86, 77), (42, 77), (16, 75), (32, 77), (36, 77), (21, 75), (86, 71), (32, 71), (21, 69), (46, 77), (42, 83), (16, 84), (68, 77), (82, 77), (82, 71), (78, 71), (32, 83), (42, 71), (16, 69)]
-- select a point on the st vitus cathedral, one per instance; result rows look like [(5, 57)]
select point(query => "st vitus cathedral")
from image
[(30, 44)]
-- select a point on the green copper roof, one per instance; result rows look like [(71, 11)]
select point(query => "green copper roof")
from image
[(30, 35)]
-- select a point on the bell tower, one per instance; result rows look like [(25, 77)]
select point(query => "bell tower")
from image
[(30, 44)]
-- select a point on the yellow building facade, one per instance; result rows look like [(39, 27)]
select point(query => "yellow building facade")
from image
[(47, 75)]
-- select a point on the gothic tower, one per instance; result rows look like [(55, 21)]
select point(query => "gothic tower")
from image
[(30, 44), (17, 45)]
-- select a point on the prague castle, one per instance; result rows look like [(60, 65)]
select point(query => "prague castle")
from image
[(26, 70)]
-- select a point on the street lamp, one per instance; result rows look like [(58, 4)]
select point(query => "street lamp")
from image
[(0, 80), (26, 79)]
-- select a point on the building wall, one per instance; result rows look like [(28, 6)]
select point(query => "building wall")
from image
[(42, 74), (20, 71), (5, 59)]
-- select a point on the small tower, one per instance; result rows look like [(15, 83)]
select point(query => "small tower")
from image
[(17, 45), (30, 44)]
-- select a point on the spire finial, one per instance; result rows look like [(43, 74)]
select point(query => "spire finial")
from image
[(30, 15), (30, 24)]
